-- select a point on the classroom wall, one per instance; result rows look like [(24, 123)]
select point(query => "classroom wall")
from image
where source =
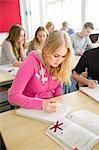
[(33, 15), (10, 14), (30, 12), (30, 17)]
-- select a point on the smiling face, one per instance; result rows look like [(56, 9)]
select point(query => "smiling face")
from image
[(58, 57)]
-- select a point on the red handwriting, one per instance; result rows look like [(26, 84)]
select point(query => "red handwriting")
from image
[(56, 126)]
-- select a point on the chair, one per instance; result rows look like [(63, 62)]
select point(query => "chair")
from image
[(94, 37)]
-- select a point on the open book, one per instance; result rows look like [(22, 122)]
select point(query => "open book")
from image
[(63, 110), (94, 93), (80, 130)]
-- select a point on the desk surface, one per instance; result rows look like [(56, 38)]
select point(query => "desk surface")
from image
[(5, 77), (26, 134)]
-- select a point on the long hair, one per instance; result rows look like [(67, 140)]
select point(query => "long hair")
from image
[(55, 40), (13, 36), (35, 41)]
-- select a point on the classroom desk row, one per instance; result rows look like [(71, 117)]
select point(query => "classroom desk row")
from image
[(5, 83), (27, 134), (7, 74), (6, 77)]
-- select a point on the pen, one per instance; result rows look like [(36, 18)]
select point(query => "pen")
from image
[(11, 70), (90, 78)]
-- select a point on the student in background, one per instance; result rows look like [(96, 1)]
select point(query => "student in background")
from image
[(65, 28), (88, 62), (40, 76), (38, 40), (13, 48), (50, 27), (81, 41)]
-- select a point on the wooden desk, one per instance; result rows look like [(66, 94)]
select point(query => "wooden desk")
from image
[(26, 134), (5, 78), (5, 83)]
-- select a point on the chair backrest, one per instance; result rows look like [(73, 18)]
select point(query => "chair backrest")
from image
[(94, 37)]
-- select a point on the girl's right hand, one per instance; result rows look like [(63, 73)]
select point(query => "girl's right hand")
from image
[(50, 105), (92, 83)]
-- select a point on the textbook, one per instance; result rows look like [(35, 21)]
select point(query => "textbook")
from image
[(78, 131), (41, 115), (93, 93)]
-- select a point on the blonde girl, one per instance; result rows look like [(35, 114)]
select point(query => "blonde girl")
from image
[(42, 74)]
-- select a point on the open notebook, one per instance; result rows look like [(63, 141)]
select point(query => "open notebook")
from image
[(94, 93), (62, 111)]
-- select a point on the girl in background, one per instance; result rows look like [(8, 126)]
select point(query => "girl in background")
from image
[(50, 27), (39, 39), (40, 76), (13, 48)]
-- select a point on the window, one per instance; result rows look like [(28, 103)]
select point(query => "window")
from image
[(63, 10), (92, 13), (75, 12)]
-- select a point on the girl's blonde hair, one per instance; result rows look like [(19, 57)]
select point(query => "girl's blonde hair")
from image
[(14, 34), (55, 40)]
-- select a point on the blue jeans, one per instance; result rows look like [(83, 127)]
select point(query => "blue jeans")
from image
[(66, 89)]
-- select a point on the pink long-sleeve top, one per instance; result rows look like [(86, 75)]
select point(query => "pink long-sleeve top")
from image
[(33, 84)]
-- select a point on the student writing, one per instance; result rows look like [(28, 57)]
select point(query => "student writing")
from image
[(81, 41), (39, 77), (89, 60)]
